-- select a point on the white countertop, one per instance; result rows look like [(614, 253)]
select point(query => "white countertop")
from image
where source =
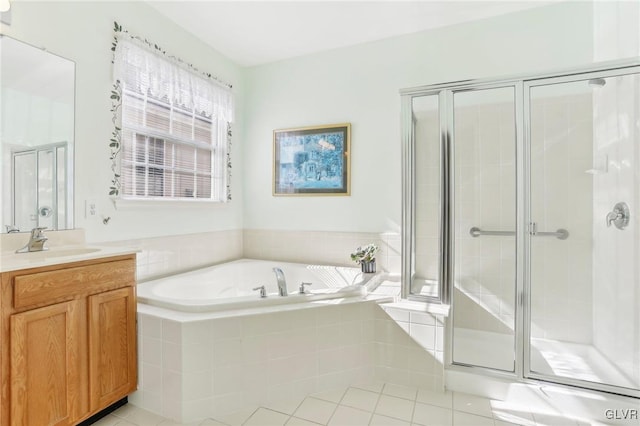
[(64, 247), (12, 261)]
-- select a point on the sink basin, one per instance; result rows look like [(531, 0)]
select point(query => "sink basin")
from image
[(72, 251), (60, 252)]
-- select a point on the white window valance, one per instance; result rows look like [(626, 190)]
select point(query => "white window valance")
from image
[(149, 73)]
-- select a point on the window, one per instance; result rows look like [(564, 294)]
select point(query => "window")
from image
[(174, 128)]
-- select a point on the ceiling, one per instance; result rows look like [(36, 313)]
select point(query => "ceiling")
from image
[(257, 32)]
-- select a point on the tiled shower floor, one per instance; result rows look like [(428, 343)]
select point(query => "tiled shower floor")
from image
[(378, 404)]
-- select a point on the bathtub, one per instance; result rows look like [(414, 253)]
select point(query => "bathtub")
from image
[(229, 286)]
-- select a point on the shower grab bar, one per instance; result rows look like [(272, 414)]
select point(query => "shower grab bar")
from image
[(561, 234), (476, 232)]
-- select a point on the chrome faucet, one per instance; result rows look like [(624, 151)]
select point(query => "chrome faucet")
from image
[(36, 241), (282, 282)]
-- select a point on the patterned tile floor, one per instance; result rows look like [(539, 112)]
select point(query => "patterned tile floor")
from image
[(376, 405)]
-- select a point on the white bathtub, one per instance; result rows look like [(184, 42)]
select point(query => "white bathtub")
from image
[(230, 286)]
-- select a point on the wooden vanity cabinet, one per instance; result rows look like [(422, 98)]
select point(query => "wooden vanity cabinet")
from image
[(112, 342), (68, 340)]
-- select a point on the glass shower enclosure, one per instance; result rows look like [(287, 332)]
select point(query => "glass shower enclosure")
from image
[(521, 211), (39, 187)]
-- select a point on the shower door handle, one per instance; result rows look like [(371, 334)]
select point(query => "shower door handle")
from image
[(560, 233)]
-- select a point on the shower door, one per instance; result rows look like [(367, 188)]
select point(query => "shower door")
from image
[(583, 141), (484, 273), (540, 223), (39, 187)]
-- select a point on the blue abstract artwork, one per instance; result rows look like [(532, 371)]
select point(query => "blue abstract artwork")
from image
[(312, 160)]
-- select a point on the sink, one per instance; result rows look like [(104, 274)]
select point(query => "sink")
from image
[(77, 251), (72, 251)]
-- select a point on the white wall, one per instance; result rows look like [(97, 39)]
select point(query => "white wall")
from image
[(360, 85), (83, 32)]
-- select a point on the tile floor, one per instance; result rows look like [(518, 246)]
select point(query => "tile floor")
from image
[(372, 404)]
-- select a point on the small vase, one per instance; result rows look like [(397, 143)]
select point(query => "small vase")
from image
[(368, 267)]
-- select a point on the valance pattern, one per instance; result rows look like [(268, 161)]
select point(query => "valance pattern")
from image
[(149, 73)]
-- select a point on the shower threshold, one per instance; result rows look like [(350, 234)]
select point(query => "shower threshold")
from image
[(548, 357)]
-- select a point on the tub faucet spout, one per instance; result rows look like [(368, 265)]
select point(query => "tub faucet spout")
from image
[(282, 282)]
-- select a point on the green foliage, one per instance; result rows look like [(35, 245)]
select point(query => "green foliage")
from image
[(365, 253)]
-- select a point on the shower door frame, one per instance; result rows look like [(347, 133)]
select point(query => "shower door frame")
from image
[(36, 150), (522, 307), (517, 85)]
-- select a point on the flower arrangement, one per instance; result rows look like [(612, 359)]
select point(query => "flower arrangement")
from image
[(365, 254)]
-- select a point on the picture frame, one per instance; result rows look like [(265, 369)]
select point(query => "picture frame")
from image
[(312, 160)]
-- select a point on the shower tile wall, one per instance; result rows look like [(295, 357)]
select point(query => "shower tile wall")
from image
[(331, 248), (485, 198), (615, 270), (427, 194), (561, 197)]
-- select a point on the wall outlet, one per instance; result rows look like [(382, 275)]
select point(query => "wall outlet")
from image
[(90, 208)]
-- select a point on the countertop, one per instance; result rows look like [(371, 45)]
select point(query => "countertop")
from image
[(12, 261), (64, 247)]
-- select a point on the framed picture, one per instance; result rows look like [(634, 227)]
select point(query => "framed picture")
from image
[(312, 160)]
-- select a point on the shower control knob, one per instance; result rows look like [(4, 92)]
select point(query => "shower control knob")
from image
[(46, 211), (619, 216)]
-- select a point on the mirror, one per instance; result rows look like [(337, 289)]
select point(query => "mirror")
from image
[(37, 92)]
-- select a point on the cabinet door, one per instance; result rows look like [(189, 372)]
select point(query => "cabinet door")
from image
[(112, 346), (46, 365)]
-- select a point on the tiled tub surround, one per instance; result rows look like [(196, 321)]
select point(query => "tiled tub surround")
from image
[(330, 248), (162, 256), (194, 366)]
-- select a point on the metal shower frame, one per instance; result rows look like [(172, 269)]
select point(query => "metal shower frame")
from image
[(445, 91)]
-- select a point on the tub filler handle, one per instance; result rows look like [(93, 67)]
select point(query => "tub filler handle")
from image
[(302, 289), (263, 291)]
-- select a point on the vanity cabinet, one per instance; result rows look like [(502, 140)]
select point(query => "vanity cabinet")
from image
[(68, 340), (112, 342)]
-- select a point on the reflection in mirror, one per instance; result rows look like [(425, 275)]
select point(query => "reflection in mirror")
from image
[(37, 91)]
